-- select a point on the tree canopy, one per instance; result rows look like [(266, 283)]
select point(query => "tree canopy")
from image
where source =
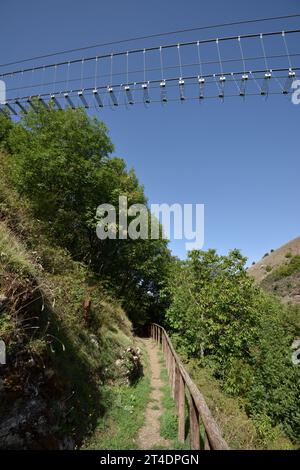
[(219, 316), (62, 162)]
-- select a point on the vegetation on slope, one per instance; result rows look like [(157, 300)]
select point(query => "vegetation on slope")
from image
[(61, 288), (274, 259), (58, 353), (284, 281), (240, 431), (240, 334)]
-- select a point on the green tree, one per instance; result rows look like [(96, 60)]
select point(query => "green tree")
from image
[(214, 305), (61, 161)]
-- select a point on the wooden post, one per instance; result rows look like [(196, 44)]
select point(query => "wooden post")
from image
[(181, 410), (168, 360), (177, 385), (173, 377), (194, 425), (206, 442), (172, 373), (167, 356)]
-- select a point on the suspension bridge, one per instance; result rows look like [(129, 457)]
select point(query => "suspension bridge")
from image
[(247, 64)]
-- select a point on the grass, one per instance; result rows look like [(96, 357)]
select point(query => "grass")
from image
[(118, 429), (169, 418), (12, 254)]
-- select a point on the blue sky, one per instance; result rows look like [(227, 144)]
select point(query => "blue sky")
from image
[(239, 158)]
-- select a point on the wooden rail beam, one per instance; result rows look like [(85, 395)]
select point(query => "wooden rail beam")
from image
[(181, 410)]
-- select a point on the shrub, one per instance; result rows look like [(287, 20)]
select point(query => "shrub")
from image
[(288, 269)]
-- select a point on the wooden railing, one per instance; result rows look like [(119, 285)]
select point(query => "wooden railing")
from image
[(204, 432)]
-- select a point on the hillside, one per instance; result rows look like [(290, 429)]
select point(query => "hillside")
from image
[(279, 271), (69, 299), (63, 334)]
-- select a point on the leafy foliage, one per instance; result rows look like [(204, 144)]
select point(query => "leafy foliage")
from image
[(274, 390), (213, 305), (61, 161), (219, 316)]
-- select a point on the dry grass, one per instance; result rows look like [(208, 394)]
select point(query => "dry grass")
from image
[(12, 254), (278, 257)]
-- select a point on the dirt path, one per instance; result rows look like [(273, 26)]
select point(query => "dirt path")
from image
[(149, 435)]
